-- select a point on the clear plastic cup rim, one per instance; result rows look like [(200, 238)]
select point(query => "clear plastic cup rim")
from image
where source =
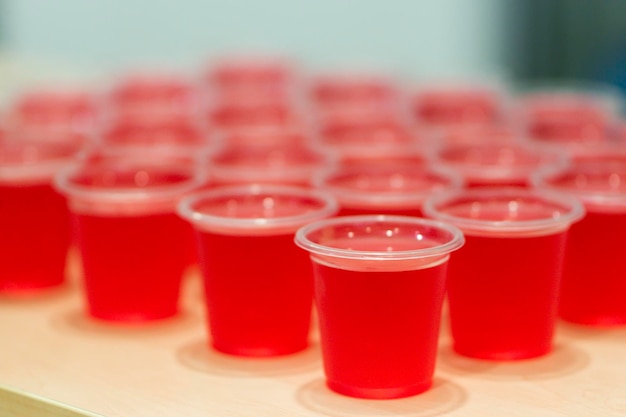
[(506, 228), (456, 241), (255, 225), (594, 200), (127, 196), (366, 198)]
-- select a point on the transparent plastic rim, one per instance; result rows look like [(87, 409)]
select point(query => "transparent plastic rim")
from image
[(511, 228), (124, 195), (547, 156), (302, 240), (604, 95), (367, 198), (593, 200), (209, 222)]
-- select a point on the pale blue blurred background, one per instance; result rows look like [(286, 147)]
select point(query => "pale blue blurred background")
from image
[(421, 37), (545, 39)]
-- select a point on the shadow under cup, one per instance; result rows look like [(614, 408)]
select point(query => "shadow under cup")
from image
[(258, 283), (503, 285), (379, 287), (133, 246)]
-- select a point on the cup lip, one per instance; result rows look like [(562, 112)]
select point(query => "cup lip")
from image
[(127, 196), (457, 239), (366, 198), (546, 157), (604, 95), (321, 158), (42, 170), (594, 200), (257, 225), (507, 228)]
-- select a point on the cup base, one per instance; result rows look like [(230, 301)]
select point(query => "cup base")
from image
[(258, 352), (597, 321), (379, 393), (509, 355), (29, 289), (135, 317)]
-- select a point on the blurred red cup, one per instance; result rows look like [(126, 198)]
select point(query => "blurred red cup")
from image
[(503, 285), (256, 157), (449, 105), (379, 286), (53, 108), (253, 114), (497, 163), (363, 135), (181, 134), (259, 285), (579, 115), (593, 291), (150, 95), (336, 92), (393, 188), (133, 246), (33, 217), (237, 78)]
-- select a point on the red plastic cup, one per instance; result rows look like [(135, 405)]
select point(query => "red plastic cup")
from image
[(261, 156), (230, 115), (503, 285), (259, 285), (386, 188), (181, 134), (491, 163), (366, 135), (594, 284), (569, 117), (243, 76), (248, 71), (379, 287), (151, 95), (336, 92), (34, 218), (48, 108), (453, 105), (477, 134), (134, 248)]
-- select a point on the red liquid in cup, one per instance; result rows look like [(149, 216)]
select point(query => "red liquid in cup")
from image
[(252, 114), (454, 107), (150, 95), (259, 285), (34, 237), (133, 265), (55, 109), (496, 164), (594, 284), (502, 305), (379, 330), (259, 292), (379, 286), (386, 188), (155, 133), (348, 211), (267, 163), (134, 247), (503, 284), (595, 289), (353, 92), (568, 121)]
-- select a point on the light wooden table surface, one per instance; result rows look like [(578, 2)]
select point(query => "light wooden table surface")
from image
[(56, 362)]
